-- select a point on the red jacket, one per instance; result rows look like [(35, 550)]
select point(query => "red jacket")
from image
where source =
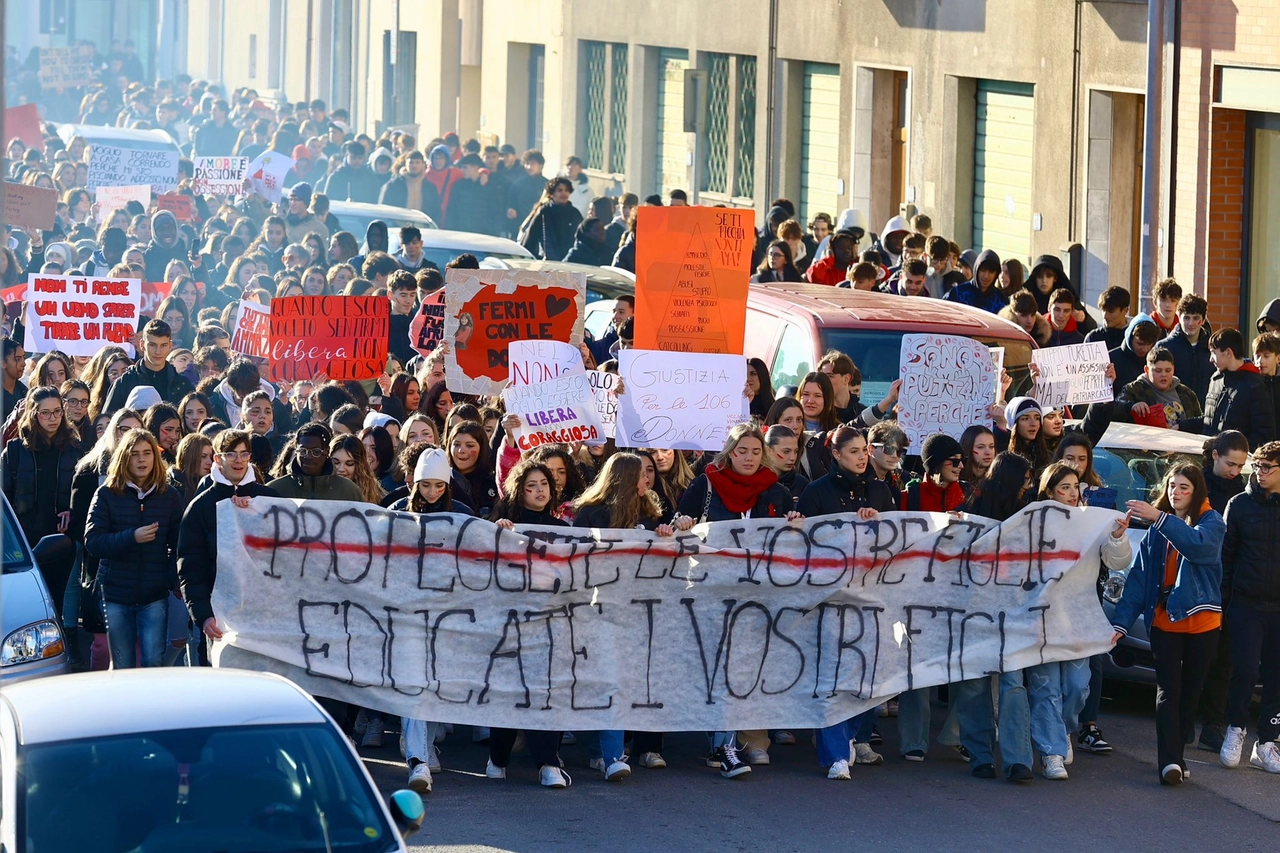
[(925, 496), (825, 271)]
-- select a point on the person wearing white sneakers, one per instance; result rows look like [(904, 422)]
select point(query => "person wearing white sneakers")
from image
[(1251, 595), (1176, 585)]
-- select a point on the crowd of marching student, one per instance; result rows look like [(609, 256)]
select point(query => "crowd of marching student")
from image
[(130, 457)]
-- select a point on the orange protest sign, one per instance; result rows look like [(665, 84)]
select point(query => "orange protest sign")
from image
[(693, 265), (183, 207)]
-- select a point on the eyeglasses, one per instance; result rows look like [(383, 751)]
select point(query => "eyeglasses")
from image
[(312, 452), (52, 414), (72, 401), (1265, 468), (245, 455), (890, 449)]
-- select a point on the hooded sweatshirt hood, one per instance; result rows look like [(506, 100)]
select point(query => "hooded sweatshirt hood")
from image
[(851, 217), (895, 225), (989, 260), (375, 236), (155, 238), (215, 473), (1054, 263), (1270, 313)]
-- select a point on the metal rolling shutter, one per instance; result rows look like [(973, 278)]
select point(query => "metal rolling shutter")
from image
[(673, 146), (1002, 168), (820, 144)]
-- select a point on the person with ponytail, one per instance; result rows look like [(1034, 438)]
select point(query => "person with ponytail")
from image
[(784, 450)]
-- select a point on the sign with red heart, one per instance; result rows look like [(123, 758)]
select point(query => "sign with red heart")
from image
[(485, 310)]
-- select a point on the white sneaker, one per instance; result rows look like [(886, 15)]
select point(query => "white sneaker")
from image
[(372, 735), (1232, 747), (1266, 756), (596, 764), (362, 723), (617, 771), (493, 771), (420, 778), (652, 760), (1051, 767), (755, 755), (553, 777), (1071, 753), (433, 758), (864, 754), (839, 770)]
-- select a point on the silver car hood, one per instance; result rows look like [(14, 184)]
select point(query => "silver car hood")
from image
[(24, 599)]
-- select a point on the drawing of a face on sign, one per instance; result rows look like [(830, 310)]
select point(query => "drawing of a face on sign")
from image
[(488, 309)]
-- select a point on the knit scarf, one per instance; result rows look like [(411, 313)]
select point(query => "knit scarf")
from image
[(739, 493)]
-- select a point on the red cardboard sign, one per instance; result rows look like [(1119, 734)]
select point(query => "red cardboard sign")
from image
[(340, 337), (24, 123)]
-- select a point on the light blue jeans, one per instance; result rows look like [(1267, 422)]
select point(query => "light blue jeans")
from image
[(134, 630), (976, 715), (1057, 693), (419, 738), (914, 717)]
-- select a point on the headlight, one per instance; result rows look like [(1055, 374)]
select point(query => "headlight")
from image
[(1113, 586), (34, 642)]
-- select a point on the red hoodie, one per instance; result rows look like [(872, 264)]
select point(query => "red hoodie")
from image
[(825, 271)]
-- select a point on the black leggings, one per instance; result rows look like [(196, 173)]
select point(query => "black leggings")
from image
[(543, 746), (1182, 662)]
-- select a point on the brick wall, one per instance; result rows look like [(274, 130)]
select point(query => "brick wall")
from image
[(1224, 237)]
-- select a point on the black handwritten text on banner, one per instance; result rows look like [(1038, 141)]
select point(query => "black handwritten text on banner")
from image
[(751, 624)]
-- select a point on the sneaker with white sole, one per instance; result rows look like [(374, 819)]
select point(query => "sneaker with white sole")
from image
[(373, 733), (864, 754), (1052, 767), (420, 778), (361, 724), (596, 764), (839, 770), (617, 771), (1232, 747), (784, 738), (652, 760), (433, 758), (1091, 740), (553, 777), (1266, 756), (755, 755), (730, 765), (1071, 754), (493, 771)]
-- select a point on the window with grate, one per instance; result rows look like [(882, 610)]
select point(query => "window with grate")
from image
[(595, 83), (618, 110), (744, 173), (718, 89)]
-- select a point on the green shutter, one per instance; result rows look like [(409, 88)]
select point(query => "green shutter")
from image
[(1003, 149), (820, 142)]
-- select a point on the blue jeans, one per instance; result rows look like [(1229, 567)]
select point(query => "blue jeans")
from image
[(914, 717), (132, 628), (1093, 704), (1046, 694), (1076, 676), (833, 743), (976, 714), (419, 738), (719, 739), (609, 746)]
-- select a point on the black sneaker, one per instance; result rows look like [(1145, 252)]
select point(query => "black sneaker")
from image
[(914, 755), (984, 771), (1211, 737), (1020, 773), (876, 740), (1090, 740), (730, 765)]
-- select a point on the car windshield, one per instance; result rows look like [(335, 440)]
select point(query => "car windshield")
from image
[(1136, 474), (441, 257), (878, 356), (16, 556), (266, 789)]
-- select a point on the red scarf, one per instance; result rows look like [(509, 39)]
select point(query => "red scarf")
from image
[(738, 493)]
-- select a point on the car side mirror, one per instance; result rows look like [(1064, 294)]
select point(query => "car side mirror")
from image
[(407, 811), (54, 548)]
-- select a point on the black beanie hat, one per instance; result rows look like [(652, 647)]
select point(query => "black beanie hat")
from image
[(938, 448)]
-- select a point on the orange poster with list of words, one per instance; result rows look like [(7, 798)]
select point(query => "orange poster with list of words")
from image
[(693, 265)]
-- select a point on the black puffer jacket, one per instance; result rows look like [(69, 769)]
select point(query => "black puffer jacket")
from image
[(1250, 571), (840, 491), (599, 517), (1221, 490), (18, 464), (130, 572), (198, 542), (1238, 399)]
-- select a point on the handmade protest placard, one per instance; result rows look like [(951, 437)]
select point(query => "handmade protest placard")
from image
[(220, 176), (338, 337), (108, 199), (252, 334), (79, 315), (116, 166), (531, 362), (24, 122), (66, 67), (681, 401), (485, 310), (745, 624), (692, 273), (267, 173), (183, 207), (558, 411), (30, 207), (426, 329), (948, 383), (604, 388), (153, 293), (1072, 374)]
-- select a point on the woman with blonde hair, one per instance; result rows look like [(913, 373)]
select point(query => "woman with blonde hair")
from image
[(133, 530), (351, 460)]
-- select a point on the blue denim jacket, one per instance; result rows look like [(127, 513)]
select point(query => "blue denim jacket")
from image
[(1199, 582)]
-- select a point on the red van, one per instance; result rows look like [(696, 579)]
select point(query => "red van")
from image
[(790, 326)]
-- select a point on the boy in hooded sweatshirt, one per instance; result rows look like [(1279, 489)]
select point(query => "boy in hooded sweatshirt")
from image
[(165, 246), (1238, 398)]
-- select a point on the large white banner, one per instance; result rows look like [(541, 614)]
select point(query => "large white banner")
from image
[(735, 625)]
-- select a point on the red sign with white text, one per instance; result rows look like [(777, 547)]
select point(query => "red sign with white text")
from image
[(338, 337)]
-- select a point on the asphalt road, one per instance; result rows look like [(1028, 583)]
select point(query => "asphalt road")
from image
[(1111, 802)]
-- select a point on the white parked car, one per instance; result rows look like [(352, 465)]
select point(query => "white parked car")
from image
[(196, 759), (31, 641)]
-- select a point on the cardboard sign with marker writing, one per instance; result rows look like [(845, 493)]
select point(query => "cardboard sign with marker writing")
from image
[(426, 330), (692, 271), (66, 67), (485, 310), (116, 166), (948, 383), (219, 175), (79, 315), (340, 337), (183, 207), (30, 207), (252, 334)]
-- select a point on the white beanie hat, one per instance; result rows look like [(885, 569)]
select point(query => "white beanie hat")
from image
[(1018, 407), (433, 464), (378, 419)]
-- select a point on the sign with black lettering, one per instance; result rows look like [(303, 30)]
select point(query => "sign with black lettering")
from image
[(757, 623)]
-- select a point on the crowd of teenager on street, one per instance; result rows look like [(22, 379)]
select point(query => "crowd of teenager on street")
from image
[(130, 456)]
